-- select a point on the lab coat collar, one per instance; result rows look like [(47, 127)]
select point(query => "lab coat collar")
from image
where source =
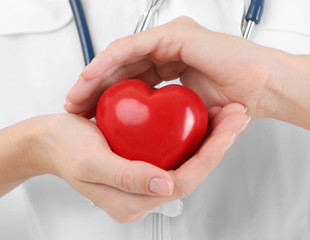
[(33, 16)]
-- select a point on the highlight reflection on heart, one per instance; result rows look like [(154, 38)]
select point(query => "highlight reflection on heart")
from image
[(163, 127), (131, 112)]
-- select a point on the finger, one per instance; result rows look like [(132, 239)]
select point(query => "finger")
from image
[(171, 70), (157, 44), (84, 90), (118, 53), (150, 76), (212, 112), (224, 112), (89, 114), (218, 114), (86, 85), (125, 207), (81, 99), (122, 206), (204, 87), (230, 122), (195, 170), (160, 44), (129, 176)]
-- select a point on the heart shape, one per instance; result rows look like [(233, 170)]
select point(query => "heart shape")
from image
[(163, 127)]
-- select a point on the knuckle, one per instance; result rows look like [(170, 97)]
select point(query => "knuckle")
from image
[(184, 20), (125, 208), (121, 41), (181, 193), (125, 219), (129, 213), (183, 189), (114, 42), (125, 179)]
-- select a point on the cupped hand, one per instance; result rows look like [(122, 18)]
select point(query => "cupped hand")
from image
[(75, 150), (163, 53), (222, 69)]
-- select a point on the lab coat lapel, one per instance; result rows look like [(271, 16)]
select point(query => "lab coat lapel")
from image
[(32, 16)]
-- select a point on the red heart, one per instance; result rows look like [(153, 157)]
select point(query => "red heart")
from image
[(163, 127)]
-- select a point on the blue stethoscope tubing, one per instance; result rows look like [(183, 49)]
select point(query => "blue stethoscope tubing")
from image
[(252, 17), (83, 31)]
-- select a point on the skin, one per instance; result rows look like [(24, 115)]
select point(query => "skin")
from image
[(221, 68), (40, 145), (227, 72)]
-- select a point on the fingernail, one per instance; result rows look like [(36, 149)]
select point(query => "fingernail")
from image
[(245, 109), (244, 125), (242, 108), (160, 186)]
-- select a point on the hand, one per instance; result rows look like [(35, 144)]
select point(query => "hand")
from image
[(121, 187), (226, 124), (73, 148), (222, 69)]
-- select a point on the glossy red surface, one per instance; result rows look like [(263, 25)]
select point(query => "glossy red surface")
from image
[(163, 127)]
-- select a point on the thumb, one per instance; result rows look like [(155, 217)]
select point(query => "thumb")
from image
[(130, 176)]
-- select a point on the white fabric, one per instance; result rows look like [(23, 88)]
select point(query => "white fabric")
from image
[(170, 209), (259, 191), (20, 16)]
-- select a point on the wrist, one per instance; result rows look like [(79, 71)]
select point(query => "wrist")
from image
[(22, 151), (271, 97), (287, 89), (18, 155), (37, 142)]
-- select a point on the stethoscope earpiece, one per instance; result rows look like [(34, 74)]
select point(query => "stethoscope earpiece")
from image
[(253, 16)]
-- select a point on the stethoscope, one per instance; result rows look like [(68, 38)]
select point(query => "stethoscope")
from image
[(252, 17)]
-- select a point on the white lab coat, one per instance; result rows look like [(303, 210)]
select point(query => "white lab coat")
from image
[(259, 191)]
